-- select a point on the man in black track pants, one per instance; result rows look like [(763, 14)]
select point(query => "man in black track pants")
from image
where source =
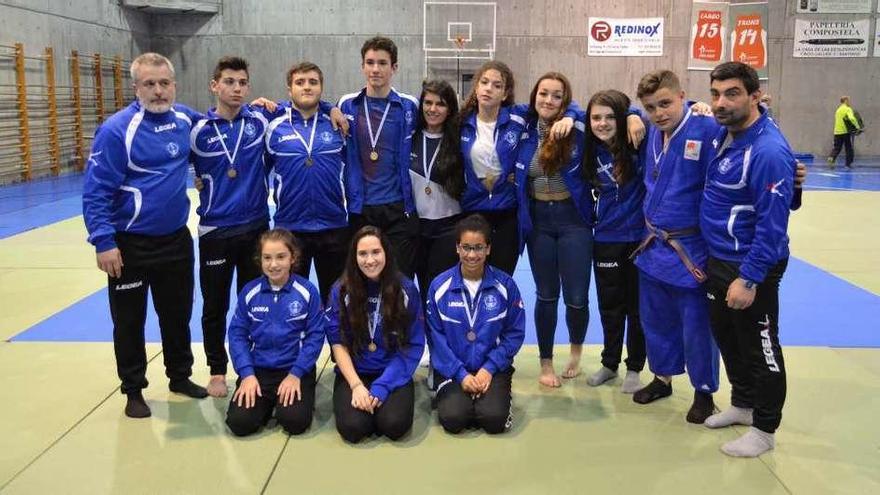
[(744, 219), (135, 209)]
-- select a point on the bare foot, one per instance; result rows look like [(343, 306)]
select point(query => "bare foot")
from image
[(550, 380), (572, 369), (217, 386), (548, 376)]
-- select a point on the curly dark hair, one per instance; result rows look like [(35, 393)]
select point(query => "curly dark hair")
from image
[(471, 105)]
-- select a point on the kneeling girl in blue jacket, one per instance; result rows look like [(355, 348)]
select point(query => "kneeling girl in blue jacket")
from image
[(477, 324), (376, 330), (274, 341)]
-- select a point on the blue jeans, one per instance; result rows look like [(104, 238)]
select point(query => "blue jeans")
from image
[(560, 253)]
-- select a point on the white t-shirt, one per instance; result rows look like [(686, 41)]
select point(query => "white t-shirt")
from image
[(472, 286), (483, 155)]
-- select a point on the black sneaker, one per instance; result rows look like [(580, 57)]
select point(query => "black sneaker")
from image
[(702, 408), (188, 388), (653, 391), (137, 407)]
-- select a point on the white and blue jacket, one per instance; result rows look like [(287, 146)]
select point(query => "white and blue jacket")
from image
[(581, 190), (674, 180), (394, 366), (309, 197), (281, 329), (509, 130), (225, 201), (136, 174), (499, 323), (350, 105), (745, 208)]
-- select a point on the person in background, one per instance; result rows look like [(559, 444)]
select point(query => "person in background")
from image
[(846, 126)]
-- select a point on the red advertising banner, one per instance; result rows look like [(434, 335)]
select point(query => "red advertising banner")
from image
[(749, 41), (707, 37), (721, 31)]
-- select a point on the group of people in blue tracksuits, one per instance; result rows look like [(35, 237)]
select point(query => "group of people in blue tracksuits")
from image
[(681, 216)]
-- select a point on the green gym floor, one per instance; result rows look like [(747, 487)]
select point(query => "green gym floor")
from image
[(64, 430)]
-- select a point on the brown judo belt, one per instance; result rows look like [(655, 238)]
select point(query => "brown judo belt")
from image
[(671, 237)]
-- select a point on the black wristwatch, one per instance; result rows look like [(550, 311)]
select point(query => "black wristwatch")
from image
[(749, 284)]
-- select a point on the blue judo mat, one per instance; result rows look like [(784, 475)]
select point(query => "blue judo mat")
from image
[(817, 309)]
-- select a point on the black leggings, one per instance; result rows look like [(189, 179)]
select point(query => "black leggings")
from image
[(295, 418), (457, 410), (328, 248), (505, 238), (394, 418), (435, 255), (617, 289)]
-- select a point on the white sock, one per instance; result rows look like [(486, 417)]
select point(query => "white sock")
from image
[(731, 416), (631, 382), (752, 444), (603, 375)]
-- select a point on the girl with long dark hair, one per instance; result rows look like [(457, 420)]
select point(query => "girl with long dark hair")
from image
[(616, 171), (376, 332), (437, 179)]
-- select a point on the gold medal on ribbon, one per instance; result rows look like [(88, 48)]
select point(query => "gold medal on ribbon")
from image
[(471, 336), (232, 173), (374, 155), (372, 347)]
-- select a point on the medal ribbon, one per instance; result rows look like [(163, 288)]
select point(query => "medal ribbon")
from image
[(472, 318), (229, 157), (375, 140), (373, 322), (311, 142), (426, 167)]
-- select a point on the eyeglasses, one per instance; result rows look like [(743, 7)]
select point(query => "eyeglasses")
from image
[(478, 249)]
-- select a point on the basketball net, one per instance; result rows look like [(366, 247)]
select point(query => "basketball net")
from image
[(459, 42)]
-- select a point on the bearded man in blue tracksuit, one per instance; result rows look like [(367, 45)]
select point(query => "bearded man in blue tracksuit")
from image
[(744, 220), (135, 209), (378, 153)]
